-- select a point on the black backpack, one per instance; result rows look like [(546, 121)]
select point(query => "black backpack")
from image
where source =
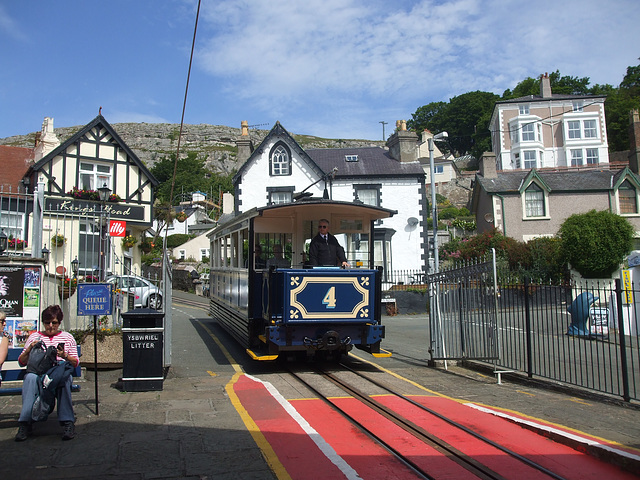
[(41, 359)]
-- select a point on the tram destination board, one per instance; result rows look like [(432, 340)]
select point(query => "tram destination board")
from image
[(323, 294)]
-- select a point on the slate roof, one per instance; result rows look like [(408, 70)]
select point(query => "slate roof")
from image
[(372, 161), (557, 181), (554, 96), (15, 162)]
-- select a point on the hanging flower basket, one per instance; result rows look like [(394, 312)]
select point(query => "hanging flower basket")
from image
[(66, 292), (58, 240), (129, 241), (67, 287), (146, 245), (181, 216)]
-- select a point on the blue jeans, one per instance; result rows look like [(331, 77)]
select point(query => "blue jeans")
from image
[(63, 397)]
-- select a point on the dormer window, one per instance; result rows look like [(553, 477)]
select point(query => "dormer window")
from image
[(628, 198), (280, 160), (534, 201), (351, 158)]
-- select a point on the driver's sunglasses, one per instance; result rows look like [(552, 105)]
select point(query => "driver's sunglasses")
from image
[(52, 322)]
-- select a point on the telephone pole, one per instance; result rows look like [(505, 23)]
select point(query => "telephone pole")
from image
[(383, 124)]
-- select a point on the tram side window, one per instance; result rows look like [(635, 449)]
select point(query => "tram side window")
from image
[(273, 249)]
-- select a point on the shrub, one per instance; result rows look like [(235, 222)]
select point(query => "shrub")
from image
[(595, 243)]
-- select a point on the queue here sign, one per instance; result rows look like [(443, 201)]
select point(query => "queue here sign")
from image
[(94, 299)]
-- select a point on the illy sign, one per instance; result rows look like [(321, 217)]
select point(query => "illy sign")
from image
[(117, 228)]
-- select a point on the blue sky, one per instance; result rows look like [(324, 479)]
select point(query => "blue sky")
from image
[(330, 68)]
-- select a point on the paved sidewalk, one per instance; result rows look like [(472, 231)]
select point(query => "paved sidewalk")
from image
[(192, 430)]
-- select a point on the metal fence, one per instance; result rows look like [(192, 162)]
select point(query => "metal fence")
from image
[(71, 247), (583, 334)]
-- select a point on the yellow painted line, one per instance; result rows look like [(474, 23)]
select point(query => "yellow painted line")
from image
[(500, 409), (580, 402), (264, 446), (526, 393), (213, 374), (417, 385), (268, 452)]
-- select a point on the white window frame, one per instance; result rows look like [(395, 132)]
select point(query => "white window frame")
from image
[(529, 162), (577, 159), (590, 128), (593, 156), (523, 109), (92, 175), (12, 224), (535, 202), (528, 132), (280, 161), (204, 253), (578, 106), (573, 130)]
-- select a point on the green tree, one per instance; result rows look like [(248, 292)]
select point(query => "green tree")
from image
[(465, 118), (595, 243), (619, 103), (191, 176)]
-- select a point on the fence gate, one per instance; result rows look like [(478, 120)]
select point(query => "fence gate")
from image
[(462, 313)]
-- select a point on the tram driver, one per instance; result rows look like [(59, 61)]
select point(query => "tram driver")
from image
[(325, 249)]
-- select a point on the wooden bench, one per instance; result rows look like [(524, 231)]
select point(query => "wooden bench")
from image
[(13, 372)]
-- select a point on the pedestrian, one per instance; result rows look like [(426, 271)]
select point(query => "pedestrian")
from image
[(4, 341), (66, 351), (325, 249)]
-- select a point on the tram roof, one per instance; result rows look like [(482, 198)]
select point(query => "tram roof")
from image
[(314, 209)]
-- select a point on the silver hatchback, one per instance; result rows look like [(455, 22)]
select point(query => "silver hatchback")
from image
[(146, 294)]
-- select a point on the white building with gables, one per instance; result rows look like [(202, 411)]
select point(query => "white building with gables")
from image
[(279, 168)]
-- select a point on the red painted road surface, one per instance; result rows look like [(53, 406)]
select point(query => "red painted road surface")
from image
[(303, 458)]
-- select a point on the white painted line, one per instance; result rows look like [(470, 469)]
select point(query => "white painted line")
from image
[(324, 447)]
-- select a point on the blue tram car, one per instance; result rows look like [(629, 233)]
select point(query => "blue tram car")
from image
[(266, 295)]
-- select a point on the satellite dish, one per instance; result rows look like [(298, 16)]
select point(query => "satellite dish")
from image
[(488, 217), (413, 221)]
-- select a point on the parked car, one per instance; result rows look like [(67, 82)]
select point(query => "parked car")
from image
[(146, 294)]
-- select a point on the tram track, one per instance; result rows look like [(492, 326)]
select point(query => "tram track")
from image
[(191, 303), (420, 434)]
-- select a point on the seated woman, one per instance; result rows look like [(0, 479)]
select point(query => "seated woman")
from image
[(67, 350), (4, 341), (278, 259)]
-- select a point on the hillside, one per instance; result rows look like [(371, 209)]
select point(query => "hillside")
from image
[(153, 141)]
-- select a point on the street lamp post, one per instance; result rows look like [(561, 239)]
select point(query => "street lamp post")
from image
[(104, 192), (434, 205)]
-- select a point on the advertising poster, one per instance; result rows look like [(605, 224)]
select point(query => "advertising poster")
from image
[(11, 290), (20, 301)]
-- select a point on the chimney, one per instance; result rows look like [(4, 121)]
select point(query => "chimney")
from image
[(244, 143), (47, 141), (402, 144), (545, 86), (227, 203), (634, 141), (488, 165)]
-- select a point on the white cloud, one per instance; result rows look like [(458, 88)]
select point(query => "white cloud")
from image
[(9, 27)]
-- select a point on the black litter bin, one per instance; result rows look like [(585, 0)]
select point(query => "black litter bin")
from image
[(143, 350)]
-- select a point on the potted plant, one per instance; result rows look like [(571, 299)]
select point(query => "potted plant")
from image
[(146, 245), (181, 216), (129, 241), (67, 287), (17, 244), (58, 240)]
